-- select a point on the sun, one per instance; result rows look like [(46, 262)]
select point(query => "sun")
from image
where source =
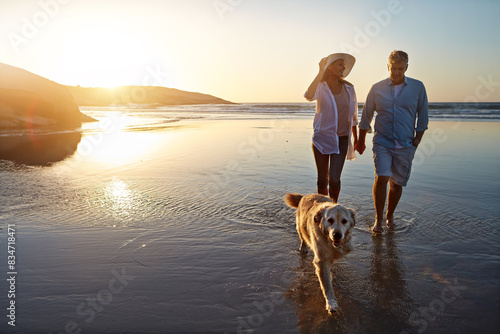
[(103, 57)]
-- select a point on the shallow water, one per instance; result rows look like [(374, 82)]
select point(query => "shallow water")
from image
[(188, 212)]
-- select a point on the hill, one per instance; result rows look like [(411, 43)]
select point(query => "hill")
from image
[(139, 95), (30, 101)]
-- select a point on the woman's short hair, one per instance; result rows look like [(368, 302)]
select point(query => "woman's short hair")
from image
[(397, 56)]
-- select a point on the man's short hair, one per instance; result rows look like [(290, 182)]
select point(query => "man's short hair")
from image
[(397, 56)]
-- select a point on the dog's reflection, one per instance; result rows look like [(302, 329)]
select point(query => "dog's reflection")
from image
[(309, 300), (370, 288)]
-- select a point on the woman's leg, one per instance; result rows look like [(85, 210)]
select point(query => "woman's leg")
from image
[(322, 168), (336, 166)]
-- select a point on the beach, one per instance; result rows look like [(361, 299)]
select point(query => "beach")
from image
[(173, 222)]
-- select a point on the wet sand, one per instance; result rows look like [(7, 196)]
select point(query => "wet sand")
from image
[(180, 228)]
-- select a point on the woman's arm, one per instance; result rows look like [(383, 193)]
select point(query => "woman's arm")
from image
[(311, 91), (360, 147), (355, 135)]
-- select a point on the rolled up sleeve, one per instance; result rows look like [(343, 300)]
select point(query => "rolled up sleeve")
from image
[(368, 111), (422, 111)]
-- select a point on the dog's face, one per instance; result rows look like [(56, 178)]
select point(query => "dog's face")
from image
[(336, 223)]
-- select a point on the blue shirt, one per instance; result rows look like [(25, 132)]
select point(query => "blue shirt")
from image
[(398, 118)]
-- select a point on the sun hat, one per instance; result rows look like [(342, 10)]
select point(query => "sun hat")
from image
[(348, 60)]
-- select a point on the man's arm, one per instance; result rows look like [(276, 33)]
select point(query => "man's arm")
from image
[(360, 145), (355, 135), (366, 119), (418, 138), (422, 116)]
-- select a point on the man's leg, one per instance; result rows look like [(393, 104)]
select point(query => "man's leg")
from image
[(379, 195), (401, 169), (395, 192)]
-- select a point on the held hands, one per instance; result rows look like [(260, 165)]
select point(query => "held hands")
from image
[(359, 146)]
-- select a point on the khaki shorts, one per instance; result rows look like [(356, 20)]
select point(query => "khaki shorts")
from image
[(393, 162)]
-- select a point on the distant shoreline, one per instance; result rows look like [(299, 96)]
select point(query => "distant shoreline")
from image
[(139, 95)]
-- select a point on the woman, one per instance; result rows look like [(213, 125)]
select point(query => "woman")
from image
[(336, 117)]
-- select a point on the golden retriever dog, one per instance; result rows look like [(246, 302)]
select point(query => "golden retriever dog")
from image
[(325, 227)]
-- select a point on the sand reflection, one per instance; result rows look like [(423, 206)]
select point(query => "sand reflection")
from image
[(310, 303), (390, 301), (117, 147), (373, 297), (120, 200)]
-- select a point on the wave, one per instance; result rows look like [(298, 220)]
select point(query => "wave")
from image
[(488, 111)]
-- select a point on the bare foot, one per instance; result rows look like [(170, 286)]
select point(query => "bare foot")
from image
[(390, 223), (377, 228)]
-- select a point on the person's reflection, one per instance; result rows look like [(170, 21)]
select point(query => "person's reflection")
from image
[(39, 149), (388, 295)]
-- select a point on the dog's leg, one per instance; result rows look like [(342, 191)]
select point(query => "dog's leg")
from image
[(323, 270), (303, 244), (303, 247)]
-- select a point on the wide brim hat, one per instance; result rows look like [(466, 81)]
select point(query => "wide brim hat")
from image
[(348, 61)]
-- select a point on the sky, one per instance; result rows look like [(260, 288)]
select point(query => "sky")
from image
[(255, 50)]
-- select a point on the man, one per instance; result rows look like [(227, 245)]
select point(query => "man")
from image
[(402, 118)]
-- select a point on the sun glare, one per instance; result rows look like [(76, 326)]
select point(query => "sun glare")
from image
[(99, 57), (121, 147), (115, 142)]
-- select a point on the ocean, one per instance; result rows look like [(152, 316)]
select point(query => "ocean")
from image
[(483, 111), (171, 220)]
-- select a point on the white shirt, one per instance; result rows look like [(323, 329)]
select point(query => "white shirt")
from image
[(397, 90), (325, 124)]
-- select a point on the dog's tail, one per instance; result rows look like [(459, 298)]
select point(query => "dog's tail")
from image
[(292, 200)]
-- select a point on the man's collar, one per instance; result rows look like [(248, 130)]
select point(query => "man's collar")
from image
[(404, 82)]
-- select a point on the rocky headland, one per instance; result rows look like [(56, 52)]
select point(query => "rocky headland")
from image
[(30, 101)]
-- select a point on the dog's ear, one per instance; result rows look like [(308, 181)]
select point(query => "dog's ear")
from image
[(318, 216), (353, 216)]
